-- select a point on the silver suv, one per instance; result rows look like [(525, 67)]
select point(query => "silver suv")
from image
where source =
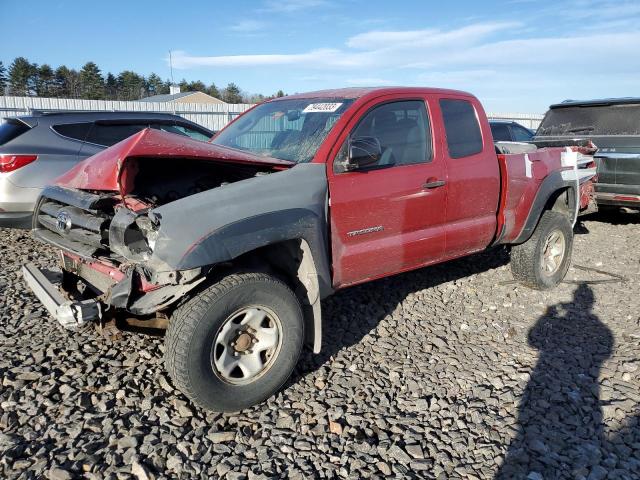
[(36, 149)]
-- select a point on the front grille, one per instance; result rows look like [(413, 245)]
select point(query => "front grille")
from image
[(74, 220)]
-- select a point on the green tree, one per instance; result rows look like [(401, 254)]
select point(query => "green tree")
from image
[(213, 91), (196, 86), (73, 82), (164, 87), (232, 94), (22, 77), (131, 86), (280, 94), (45, 81), (110, 87), (154, 84), (3, 78), (61, 80), (91, 82)]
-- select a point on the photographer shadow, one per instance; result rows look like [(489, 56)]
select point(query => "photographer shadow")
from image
[(560, 417)]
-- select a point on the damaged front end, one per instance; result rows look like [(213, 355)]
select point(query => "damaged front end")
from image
[(102, 216), (106, 258)]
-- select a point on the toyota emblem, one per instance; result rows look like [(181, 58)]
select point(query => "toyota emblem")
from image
[(63, 222)]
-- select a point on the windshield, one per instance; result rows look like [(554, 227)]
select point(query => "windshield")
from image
[(591, 120), (286, 129)]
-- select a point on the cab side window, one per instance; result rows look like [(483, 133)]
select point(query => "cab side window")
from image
[(462, 128), (403, 130)]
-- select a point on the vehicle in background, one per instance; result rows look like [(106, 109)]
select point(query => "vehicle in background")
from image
[(613, 125), (509, 131), (36, 149), (236, 241)]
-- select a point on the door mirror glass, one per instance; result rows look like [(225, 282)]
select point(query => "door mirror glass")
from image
[(364, 152)]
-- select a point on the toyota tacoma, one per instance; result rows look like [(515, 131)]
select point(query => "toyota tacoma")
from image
[(237, 241)]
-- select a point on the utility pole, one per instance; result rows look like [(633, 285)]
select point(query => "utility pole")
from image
[(171, 66)]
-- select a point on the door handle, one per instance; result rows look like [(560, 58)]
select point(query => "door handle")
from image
[(434, 184)]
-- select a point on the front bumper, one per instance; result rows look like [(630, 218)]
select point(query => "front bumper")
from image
[(69, 313)]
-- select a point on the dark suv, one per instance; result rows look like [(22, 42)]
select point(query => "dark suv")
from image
[(36, 149), (614, 126)]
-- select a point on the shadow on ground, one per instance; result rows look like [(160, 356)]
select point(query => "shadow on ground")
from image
[(560, 418), (614, 216)]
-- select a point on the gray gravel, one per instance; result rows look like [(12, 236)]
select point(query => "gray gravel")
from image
[(448, 372)]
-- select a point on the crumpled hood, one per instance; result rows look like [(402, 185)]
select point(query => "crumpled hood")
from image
[(112, 170)]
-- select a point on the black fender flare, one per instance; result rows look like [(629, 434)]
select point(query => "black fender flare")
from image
[(253, 233), (551, 185), (249, 234)]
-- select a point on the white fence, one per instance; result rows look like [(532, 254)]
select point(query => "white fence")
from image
[(529, 120), (213, 116)]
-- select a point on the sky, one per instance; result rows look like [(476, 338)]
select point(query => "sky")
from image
[(514, 55)]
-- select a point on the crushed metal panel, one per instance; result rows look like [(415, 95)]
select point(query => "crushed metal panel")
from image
[(220, 224)]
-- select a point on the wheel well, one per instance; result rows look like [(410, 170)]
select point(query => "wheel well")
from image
[(563, 201), (292, 262)]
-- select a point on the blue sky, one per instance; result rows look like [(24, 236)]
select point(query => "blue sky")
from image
[(515, 55)]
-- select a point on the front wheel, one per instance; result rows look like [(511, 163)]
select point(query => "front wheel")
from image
[(542, 261), (235, 343)]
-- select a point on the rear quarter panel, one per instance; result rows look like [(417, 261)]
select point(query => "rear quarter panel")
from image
[(524, 174)]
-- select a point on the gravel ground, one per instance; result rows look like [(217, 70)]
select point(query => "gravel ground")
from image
[(448, 372)]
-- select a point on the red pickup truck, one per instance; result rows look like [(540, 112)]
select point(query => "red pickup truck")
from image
[(236, 241)]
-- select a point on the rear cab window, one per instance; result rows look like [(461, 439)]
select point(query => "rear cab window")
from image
[(11, 129), (464, 137)]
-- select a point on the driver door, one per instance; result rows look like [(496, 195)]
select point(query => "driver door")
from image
[(388, 217)]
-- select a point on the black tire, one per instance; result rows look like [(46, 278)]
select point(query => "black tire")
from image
[(194, 327), (527, 263)]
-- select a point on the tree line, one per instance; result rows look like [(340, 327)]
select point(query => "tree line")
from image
[(23, 78)]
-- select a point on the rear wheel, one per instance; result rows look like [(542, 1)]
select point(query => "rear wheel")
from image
[(543, 260), (235, 344)]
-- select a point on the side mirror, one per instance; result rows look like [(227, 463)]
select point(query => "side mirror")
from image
[(363, 152)]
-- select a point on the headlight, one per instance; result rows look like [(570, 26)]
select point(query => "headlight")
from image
[(149, 230), (133, 235)]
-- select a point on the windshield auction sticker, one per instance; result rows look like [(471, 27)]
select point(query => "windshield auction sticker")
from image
[(322, 107)]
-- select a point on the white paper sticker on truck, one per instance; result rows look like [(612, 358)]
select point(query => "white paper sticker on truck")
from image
[(322, 107)]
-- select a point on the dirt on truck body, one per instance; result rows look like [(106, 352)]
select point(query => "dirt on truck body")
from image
[(237, 241)]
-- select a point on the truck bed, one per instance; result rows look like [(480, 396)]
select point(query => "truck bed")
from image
[(523, 175)]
